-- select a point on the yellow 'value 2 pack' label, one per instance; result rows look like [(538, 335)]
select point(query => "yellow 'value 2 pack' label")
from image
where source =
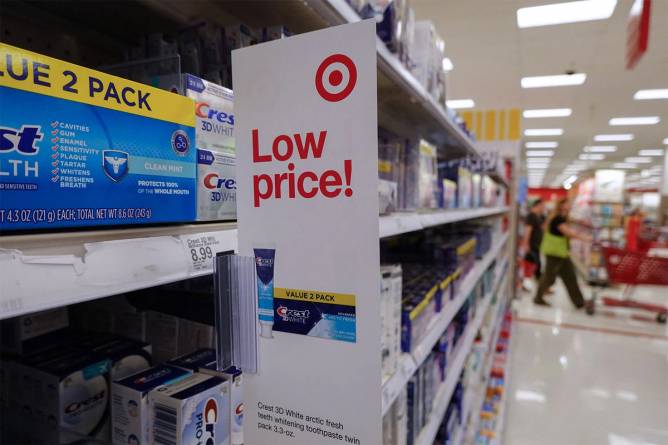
[(81, 148)]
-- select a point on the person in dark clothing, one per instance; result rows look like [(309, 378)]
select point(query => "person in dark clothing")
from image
[(533, 235), (556, 249)]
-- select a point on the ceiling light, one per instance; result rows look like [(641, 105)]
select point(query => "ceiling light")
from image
[(613, 137), (547, 112), (651, 94), (543, 132), (535, 153), (623, 165), (638, 160), (558, 80), (538, 160), (640, 120), (665, 141), (651, 152), (646, 173), (456, 104), (592, 157), (549, 144), (600, 149), (447, 64), (570, 12)]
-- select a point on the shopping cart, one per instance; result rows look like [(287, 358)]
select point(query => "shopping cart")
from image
[(633, 269)]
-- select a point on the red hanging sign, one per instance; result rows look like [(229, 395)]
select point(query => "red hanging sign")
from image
[(637, 32)]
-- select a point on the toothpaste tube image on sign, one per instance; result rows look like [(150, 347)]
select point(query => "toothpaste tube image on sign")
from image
[(216, 155), (82, 148)]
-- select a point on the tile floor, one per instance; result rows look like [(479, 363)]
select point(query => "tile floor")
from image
[(581, 380)]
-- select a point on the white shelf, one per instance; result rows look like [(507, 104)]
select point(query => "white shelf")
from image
[(444, 393), (404, 222), (408, 363), (43, 271), (475, 396)]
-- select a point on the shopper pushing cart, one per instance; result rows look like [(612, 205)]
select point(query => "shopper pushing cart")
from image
[(555, 247)]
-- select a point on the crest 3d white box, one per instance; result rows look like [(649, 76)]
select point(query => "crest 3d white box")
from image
[(80, 148)]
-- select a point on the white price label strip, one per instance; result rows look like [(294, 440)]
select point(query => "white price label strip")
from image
[(201, 248)]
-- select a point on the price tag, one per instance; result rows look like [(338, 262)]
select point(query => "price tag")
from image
[(201, 248)]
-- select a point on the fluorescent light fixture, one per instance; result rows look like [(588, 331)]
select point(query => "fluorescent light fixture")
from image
[(547, 112), (457, 104), (536, 153), (558, 80), (447, 64), (547, 144), (651, 94), (638, 120), (600, 149), (638, 160), (646, 173), (543, 132), (592, 157), (571, 179), (665, 141), (538, 160), (623, 165), (569, 12), (651, 152), (613, 137)]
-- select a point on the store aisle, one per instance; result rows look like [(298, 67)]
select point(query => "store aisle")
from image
[(580, 380)]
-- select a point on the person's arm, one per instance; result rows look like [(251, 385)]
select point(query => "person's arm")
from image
[(566, 230)]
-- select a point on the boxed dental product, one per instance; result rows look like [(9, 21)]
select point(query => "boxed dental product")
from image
[(389, 155), (195, 360), (191, 411), (428, 177), (130, 416), (87, 149), (127, 356), (216, 155), (235, 377), (390, 303), (68, 398), (33, 332)]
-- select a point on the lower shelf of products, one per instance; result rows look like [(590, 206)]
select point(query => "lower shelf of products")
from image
[(408, 363), (447, 388)]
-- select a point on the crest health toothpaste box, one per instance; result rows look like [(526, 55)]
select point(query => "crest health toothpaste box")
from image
[(216, 154), (129, 403), (191, 411), (79, 147)]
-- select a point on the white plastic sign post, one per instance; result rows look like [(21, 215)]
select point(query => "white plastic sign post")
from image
[(307, 169)]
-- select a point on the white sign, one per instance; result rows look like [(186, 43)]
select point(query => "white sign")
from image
[(306, 129), (609, 186)]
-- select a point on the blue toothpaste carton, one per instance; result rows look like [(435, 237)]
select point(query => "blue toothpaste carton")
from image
[(82, 148), (130, 415)]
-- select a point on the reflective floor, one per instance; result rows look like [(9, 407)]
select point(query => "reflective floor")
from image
[(581, 380)]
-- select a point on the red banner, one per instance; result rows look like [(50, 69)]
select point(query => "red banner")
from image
[(637, 32)]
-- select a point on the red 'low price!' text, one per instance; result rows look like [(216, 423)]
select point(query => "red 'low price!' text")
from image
[(291, 183)]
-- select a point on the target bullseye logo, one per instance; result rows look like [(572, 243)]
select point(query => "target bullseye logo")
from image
[(336, 77)]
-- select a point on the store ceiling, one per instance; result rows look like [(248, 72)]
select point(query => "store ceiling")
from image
[(490, 54)]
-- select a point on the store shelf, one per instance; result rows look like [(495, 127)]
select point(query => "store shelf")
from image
[(444, 393), (408, 363), (474, 396), (77, 266), (398, 223), (49, 270)]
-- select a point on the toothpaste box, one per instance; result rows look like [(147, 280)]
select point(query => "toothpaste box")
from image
[(216, 155), (130, 416), (191, 411), (235, 378), (80, 147), (70, 400), (127, 356), (32, 332)]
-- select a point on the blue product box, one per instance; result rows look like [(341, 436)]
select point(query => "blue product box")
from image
[(82, 148)]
